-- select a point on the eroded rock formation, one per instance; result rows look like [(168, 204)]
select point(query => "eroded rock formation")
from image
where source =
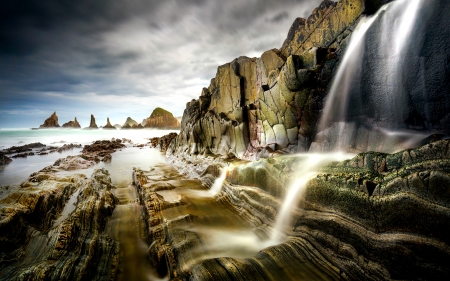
[(72, 124), (161, 119), (51, 122), (130, 122), (101, 150), (44, 238), (163, 142), (92, 124), (108, 125)]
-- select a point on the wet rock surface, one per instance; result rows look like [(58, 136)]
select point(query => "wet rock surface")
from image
[(190, 233), (4, 159), (23, 148), (376, 216), (101, 150), (163, 142), (51, 228)]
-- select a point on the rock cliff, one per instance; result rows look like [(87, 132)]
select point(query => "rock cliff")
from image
[(108, 125), (51, 122), (72, 124), (161, 119), (257, 106)]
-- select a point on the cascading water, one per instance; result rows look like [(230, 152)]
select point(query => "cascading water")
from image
[(369, 90), (218, 183), (308, 169)]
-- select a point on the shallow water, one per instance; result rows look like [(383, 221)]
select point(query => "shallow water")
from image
[(20, 168)]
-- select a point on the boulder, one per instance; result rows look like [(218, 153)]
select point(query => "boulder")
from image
[(51, 122)]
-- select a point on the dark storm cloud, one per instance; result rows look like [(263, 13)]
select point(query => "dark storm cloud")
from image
[(136, 53)]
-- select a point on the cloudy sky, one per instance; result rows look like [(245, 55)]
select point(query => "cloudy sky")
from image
[(125, 57)]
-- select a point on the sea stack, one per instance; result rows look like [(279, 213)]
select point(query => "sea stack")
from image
[(72, 124), (51, 122), (161, 119), (108, 125), (130, 122), (92, 124)]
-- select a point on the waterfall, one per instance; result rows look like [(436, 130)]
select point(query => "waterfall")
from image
[(218, 183), (336, 131), (380, 102), (308, 169)]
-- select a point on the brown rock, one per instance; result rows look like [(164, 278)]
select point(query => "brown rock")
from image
[(108, 125), (72, 124), (51, 122), (161, 119)]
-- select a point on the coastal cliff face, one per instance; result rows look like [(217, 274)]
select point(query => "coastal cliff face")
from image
[(161, 119), (72, 124), (257, 106), (51, 122)]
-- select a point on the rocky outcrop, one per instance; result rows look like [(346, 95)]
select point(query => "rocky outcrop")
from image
[(163, 142), (23, 148), (101, 150), (130, 122), (376, 216), (51, 122), (161, 119), (72, 124), (92, 124), (4, 159), (257, 106), (108, 125), (51, 229)]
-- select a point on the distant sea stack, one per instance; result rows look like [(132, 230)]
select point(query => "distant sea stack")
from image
[(161, 119), (108, 125), (72, 124), (117, 126), (92, 125), (130, 122), (137, 126), (51, 122)]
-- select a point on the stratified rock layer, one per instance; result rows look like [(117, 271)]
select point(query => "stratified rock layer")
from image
[(51, 229), (161, 119), (72, 124), (375, 217), (51, 122)]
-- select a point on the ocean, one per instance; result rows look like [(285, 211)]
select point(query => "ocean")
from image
[(20, 168)]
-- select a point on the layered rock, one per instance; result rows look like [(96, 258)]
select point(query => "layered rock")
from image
[(92, 124), (72, 124), (51, 122), (130, 122), (101, 150), (137, 126), (52, 228), (108, 125), (163, 142), (161, 119), (376, 216)]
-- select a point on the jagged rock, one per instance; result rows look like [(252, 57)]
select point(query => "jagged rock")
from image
[(41, 241), (126, 126), (23, 148), (108, 125), (130, 122), (72, 124), (161, 119), (51, 122), (92, 124), (163, 142)]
